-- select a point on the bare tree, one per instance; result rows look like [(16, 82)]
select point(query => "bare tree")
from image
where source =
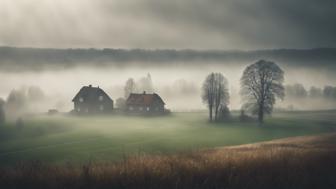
[(261, 84), (208, 93), (215, 94), (145, 84), (129, 88)]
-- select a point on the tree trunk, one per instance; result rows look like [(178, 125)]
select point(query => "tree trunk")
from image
[(261, 114), (216, 113), (210, 113)]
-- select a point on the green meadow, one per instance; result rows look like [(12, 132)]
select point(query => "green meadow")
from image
[(71, 139)]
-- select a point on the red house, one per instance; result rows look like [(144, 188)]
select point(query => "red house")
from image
[(145, 103)]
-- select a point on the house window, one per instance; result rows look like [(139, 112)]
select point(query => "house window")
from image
[(101, 98), (81, 99), (101, 107), (147, 109)]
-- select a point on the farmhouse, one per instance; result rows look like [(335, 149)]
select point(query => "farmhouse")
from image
[(144, 103), (92, 100)]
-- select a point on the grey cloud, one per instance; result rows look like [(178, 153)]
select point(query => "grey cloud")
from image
[(255, 24), (193, 24)]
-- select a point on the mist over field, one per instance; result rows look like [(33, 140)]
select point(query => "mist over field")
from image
[(50, 49), (167, 94), (72, 43), (177, 82)]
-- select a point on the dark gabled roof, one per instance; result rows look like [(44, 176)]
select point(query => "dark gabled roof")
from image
[(143, 99), (90, 93)]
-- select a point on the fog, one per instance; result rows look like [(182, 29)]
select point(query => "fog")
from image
[(179, 85), (103, 43)]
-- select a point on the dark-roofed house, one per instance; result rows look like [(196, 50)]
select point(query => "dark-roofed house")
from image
[(144, 103), (92, 100)]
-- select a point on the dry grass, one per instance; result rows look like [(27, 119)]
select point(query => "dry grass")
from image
[(301, 162)]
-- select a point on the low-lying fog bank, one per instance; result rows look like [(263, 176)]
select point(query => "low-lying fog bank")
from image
[(179, 85)]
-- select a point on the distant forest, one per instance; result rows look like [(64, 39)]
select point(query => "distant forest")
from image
[(12, 58)]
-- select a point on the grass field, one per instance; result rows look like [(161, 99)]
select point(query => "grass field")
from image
[(62, 139), (299, 162)]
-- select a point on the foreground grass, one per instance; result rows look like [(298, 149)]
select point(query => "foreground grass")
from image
[(304, 162), (78, 140)]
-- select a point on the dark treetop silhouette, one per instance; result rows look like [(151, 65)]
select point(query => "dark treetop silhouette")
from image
[(261, 83)]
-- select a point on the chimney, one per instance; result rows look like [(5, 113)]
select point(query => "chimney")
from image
[(90, 86), (144, 92)]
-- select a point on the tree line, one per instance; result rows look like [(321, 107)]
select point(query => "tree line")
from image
[(39, 59), (299, 91), (18, 100)]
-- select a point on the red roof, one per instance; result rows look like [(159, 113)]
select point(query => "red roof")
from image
[(144, 99)]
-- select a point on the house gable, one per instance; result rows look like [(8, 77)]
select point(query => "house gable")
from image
[(92, 100), (91, 94)]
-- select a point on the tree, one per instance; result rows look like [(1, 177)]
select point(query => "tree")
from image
[(2, 111), (129, 88), (261, 84), (329, 92), (146, 84), (121, 103), (315, 92), (16, 101), (215, 94)]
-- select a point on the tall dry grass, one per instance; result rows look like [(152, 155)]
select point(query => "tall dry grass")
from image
[(299, 163)]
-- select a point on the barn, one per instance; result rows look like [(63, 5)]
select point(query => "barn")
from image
[(92, 100), (144, 103)]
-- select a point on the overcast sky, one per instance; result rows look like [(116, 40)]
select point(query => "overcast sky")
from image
[(179, 24)]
